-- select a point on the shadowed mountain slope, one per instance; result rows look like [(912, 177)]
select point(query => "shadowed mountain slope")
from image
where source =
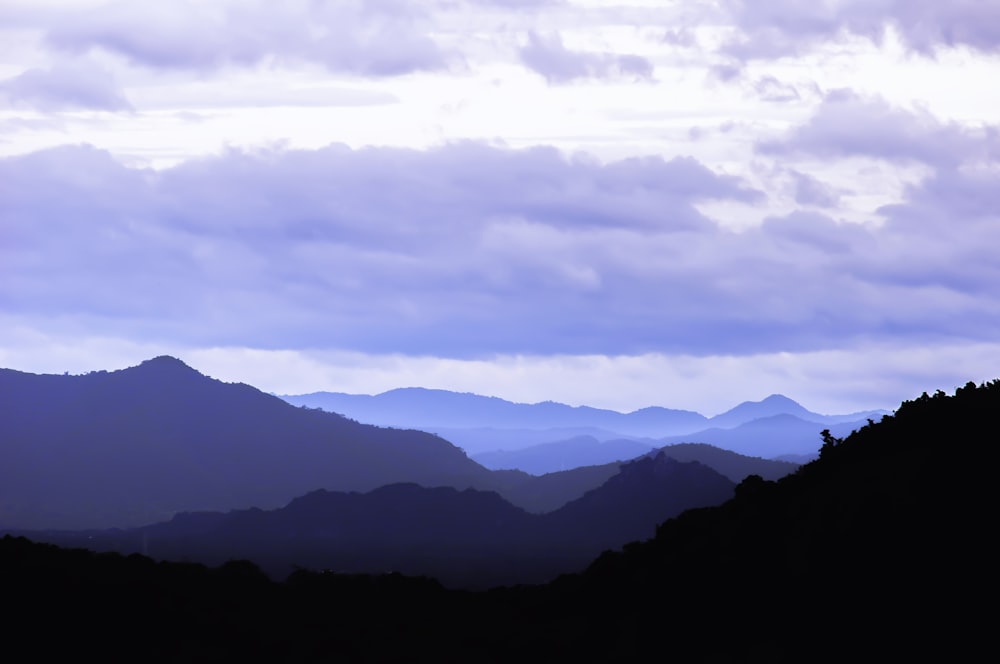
[(555, 456), (734, 466), (137, 445), (766, 437)]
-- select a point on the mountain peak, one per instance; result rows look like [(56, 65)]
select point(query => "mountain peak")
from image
[(163, 367), (165, 362), (779, 399), (775, 404)]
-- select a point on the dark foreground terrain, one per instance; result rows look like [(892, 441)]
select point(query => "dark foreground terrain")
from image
[(880, 550)]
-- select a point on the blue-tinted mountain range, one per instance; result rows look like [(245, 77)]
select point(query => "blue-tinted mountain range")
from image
[(137, 446), (493, 430)]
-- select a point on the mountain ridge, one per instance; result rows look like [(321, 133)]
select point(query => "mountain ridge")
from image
[(395, 408), (137, 445), (161, 421)]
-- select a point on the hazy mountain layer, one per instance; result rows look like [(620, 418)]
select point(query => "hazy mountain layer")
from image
[(550, 457), (491, 429), (424, 408)]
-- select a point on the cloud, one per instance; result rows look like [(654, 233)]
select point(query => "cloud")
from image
[(516, 4), (373, 38), (932, 255), (726, 72), (810, 191), (769, 88), (926, 24), (547, 56), (681, 37), (70, 86), (777, 28), (467, 250), (966, 194), (846, 124)]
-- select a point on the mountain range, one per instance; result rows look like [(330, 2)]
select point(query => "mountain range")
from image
[(494, 431), (134, 447), (423, 408)]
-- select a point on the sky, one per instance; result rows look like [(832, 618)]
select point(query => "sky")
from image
[(682, 204)]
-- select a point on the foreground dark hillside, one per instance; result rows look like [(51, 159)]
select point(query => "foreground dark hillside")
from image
[(880, 550)]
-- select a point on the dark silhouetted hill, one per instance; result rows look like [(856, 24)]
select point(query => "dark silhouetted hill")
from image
[(877, 547), (548, 492), (464, 538), (550, 457)]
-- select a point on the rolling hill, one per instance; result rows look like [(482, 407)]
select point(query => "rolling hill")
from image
[(131, 447)]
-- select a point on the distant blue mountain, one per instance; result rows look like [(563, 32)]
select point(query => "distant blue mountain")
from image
[(552, 436), (423, 408), (778, 404)]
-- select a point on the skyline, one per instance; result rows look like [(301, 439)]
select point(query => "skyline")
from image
[(688, 204)]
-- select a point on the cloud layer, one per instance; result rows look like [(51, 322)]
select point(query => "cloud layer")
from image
[(79, 85), (547, 56), (468, 249), (775, 28), (379, 38)]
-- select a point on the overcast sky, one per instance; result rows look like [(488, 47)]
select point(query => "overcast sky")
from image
[(685, 204)]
